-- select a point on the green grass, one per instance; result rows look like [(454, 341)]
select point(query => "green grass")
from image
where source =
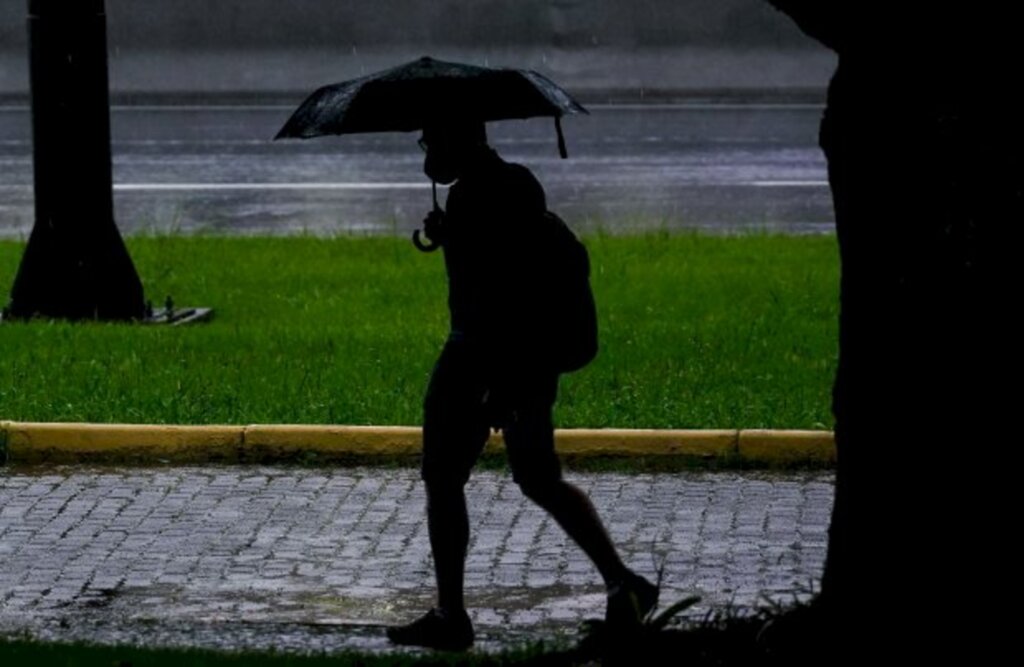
[(46, 654), (696, 332)]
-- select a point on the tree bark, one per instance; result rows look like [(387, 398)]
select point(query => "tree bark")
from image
[(75, 265), (925, 174)]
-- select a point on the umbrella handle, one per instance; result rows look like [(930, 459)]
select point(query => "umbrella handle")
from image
[(420, 245)]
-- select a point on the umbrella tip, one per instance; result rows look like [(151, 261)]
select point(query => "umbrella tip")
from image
[(286, 132)]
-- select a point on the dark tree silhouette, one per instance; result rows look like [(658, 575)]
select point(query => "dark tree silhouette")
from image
[(75, 265), (925, 169)]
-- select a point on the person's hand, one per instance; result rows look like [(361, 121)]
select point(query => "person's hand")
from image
[(433, 226)]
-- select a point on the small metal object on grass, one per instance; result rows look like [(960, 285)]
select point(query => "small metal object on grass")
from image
[(175, 316), (178, 316)]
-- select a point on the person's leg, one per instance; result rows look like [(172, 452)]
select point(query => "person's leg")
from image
[(529, 436), (446, 626), (574, 512), (448, 524), (454, 432)]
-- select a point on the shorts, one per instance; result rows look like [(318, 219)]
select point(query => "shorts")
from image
[(469, 394)]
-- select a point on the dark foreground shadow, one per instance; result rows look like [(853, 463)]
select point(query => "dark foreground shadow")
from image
[(926, 175)]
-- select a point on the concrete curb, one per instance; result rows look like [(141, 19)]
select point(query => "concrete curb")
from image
[(272, 442), (28, 442), (786, 447)]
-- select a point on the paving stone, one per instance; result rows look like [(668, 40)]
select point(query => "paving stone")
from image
[(204, 556)]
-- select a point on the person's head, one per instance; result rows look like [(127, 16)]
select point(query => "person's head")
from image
[(450, 148)]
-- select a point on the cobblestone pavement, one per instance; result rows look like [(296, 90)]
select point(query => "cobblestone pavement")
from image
[(319, 559)]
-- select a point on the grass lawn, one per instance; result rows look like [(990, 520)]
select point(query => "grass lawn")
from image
[(696, 332), (797, 637), (45, 654)]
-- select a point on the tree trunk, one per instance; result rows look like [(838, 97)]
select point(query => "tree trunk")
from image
[(75, 265), (926, 180)]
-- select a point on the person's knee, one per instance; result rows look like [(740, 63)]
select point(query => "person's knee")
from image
[(450, 449), (541, 489), (536, 469), (444, 486), (445, 497)]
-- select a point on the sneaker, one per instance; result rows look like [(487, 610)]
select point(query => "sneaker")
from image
[(630, 601), (440, 629)]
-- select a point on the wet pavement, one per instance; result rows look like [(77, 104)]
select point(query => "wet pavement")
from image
[(302, 559), (714, 166)]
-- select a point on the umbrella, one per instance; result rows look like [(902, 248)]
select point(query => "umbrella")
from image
[(428, 91), (425, 91)]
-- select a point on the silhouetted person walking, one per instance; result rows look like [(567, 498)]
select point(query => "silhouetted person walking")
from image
[(493, 372)]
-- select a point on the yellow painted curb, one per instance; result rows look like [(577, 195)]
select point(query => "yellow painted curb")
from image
[(645, 442), (29, 442), (783, 447), (618, 442), (25, 442), (289, 440), (3, 441), (269, 441)]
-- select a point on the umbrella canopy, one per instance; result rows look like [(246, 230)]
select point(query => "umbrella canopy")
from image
[(424, 92)]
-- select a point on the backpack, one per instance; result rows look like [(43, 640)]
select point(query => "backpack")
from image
[(571, 312)]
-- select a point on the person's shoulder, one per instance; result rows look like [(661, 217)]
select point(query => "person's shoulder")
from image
[(517, 171), (506, 188), (521, 180)]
